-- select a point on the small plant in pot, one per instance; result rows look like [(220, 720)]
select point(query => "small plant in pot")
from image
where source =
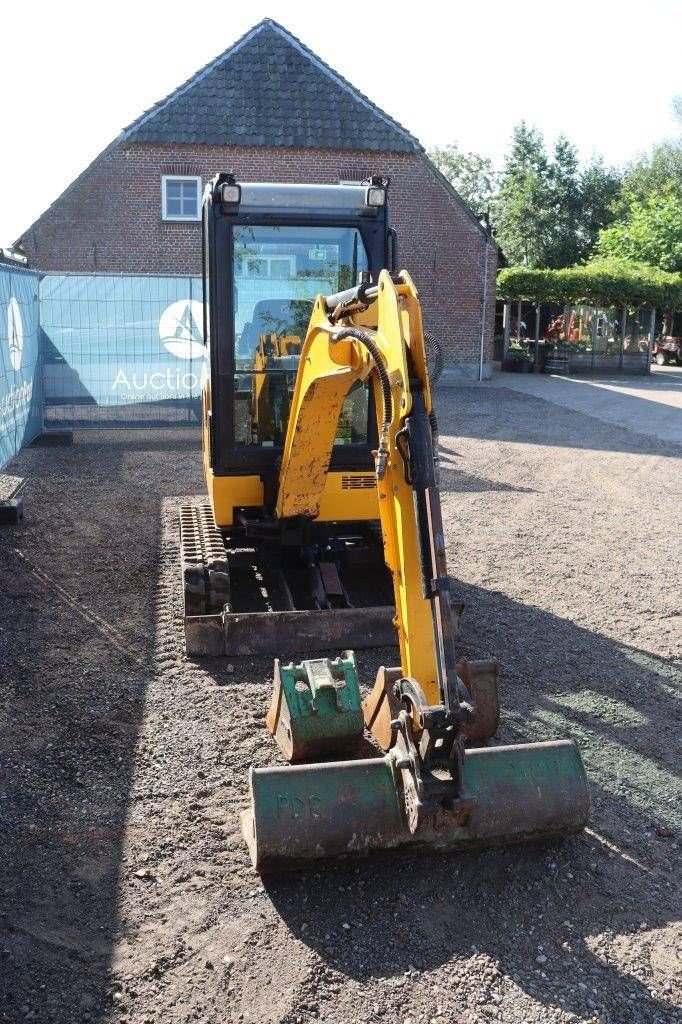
[(519, 359)]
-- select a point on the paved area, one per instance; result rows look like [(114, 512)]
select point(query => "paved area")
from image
[(647, 405)]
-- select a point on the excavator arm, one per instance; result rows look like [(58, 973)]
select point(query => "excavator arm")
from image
[(387, 349), (420, 784)]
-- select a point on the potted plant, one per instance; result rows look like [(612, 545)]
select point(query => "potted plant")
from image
[(519, 359)]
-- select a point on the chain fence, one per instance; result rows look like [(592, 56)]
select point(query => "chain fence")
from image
[(121, 351)]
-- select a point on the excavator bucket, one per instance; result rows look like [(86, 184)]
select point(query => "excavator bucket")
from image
[(301, 813), (335, 808)]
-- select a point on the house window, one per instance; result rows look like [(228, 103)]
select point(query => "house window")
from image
[(281, 267), (181, 197)]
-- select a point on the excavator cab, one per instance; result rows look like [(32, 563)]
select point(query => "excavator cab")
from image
[(254, 584)]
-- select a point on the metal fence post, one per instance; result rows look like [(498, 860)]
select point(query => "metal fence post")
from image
[(652, 332), (41, 357), (506, 317)]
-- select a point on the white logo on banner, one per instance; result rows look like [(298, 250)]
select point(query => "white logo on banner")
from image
[(15, 333), (180, 329)]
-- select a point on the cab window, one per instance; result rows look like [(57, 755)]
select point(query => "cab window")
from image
[(278, 271)]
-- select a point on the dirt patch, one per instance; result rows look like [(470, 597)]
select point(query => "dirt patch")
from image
[(127, 892)]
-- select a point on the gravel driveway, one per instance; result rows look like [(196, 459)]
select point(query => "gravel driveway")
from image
[(126, 890)]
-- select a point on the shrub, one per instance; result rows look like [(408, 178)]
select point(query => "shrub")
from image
[(609, 282)]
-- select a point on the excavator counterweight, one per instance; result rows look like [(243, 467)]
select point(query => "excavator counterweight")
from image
[(340, 389)]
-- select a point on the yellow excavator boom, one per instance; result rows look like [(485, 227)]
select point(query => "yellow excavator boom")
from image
[(332, 360)]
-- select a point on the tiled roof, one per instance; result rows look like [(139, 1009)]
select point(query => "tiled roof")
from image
[(268, 89)]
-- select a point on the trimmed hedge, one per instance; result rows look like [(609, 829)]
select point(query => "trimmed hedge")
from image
[(602, 283)]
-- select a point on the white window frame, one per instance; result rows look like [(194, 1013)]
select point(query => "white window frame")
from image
[(165, 178), (267, 259)]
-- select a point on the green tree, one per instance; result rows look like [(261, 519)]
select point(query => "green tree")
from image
[(651, 232), (549, 213), (521, 211), (545, 212), (564, 242), (600, 189), (472, 175), (652, 175)]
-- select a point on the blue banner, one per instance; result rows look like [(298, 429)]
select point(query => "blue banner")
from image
[(120, 342), (20, 391)]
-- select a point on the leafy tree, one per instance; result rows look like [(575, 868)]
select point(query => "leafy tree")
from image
[(565, 206), (651, 175), (472, 175), (600, 189), (651, 232), (521, 211), (548, 213)]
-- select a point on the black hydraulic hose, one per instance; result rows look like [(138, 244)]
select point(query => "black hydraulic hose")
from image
[(435, 442), (385, 382), (364, 293), (434, 351)]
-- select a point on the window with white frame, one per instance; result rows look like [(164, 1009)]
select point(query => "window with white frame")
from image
[(181, 197), (282, 267)]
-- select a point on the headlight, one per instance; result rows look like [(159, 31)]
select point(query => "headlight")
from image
[(375, 196), (231, 194)]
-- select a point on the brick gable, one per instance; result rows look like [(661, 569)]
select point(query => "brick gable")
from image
[(110, 222)]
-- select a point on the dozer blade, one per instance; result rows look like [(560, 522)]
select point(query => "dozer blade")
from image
[(302, 813), (244, 634), (227, 614)]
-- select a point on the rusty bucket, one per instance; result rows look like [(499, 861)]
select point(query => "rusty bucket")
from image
[(301, 813)]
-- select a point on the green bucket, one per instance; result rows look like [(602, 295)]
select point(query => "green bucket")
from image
[(302, 813)]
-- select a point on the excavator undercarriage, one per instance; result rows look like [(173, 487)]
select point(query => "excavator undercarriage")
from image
[(307, 401), (262, 592)]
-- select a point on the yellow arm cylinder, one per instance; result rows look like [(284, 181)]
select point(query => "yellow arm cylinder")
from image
[(326, 372)]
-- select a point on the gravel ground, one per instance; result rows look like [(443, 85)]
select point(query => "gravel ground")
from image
[(127, 892)]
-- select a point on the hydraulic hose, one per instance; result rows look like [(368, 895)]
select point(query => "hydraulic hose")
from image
[(385, 382), (434, 351), (435, 442)]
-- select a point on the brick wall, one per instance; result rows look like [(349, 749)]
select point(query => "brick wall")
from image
[(110, 221)]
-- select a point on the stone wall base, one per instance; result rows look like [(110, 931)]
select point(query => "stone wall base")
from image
[(455, 372)]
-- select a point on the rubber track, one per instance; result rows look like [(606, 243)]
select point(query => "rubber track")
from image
[(205, 568)]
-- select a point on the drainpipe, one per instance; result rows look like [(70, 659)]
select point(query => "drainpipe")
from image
[(485, 302)]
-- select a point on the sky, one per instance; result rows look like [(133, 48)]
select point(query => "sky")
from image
[(602, 72)]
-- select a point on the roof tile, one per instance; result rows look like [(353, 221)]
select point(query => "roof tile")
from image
[(270, 89)]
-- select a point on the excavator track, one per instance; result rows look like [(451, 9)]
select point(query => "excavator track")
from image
[(223, 575), (205, 568)]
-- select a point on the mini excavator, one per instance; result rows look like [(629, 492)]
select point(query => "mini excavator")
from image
[(324, 531)]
